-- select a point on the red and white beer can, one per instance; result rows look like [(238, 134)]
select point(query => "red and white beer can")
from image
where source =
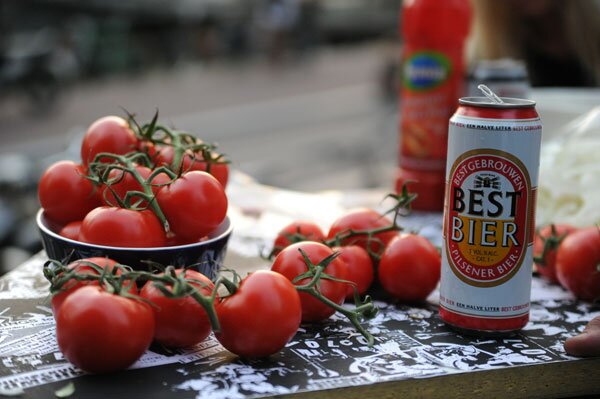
[(491, 185)]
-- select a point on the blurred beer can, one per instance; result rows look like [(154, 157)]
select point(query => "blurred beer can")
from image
[(491, 185), (506, 77)]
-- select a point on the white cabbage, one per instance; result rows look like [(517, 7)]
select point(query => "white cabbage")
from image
[(569, 185)]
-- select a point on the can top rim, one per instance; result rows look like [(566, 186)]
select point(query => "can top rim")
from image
[(509, 102)]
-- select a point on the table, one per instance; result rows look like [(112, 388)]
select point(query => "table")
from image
[(415, 354)]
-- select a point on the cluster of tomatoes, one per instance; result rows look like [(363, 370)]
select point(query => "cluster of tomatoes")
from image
[(106, 319), (107, 315), (96, 300), (570, 256), (136, 186), (150, 186), (370, 248)]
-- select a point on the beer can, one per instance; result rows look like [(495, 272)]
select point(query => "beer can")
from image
[(491, 185)]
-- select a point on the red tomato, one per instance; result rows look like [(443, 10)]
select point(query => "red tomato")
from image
[(291, 264), (108, 134), (149, 148), (82, 268), (172, 240), (359, 268), (309, 230), (195, 204), (101, 332), (194, 161), (577, 263), (71, 230), (120, 227), (261, 317), (65, 194), (547, 241), (410, 268), (121, 182), (219, 170), (359, 220), (180, 322)]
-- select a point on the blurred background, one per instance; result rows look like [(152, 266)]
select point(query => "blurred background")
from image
[(264, 79), (299, 94)]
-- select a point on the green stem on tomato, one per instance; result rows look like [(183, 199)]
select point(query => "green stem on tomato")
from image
[(126, 164), (403, 201), (181, 142), (352, 315), (162, 169), (231, 286), (182, 287), (370, 234), (58, 274), (551, 243), (208, 303), (366, 309), (119, 284), (178, 152)]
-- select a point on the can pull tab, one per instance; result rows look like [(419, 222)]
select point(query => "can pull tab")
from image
[(490, 94)]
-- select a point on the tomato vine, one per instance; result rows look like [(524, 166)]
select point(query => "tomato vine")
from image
[(119, 279)]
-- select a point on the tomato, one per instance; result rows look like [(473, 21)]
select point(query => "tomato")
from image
[(410, 267), (120, 182), (291, 264), (577, 263), (194, 204), (108, 134), (360, 220), (101, 332), (180, 322), (148, 147), (219, 170), (261, 317), (173, 240), (65, 194), (194, 161), (308, 231), (120, 227), (359, 268), (545, 245), (72, 285), (71, 230)]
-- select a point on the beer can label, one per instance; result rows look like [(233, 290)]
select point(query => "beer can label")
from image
[(491, 185)]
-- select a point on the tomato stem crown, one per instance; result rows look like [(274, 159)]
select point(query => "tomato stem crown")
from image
[(364, 309)]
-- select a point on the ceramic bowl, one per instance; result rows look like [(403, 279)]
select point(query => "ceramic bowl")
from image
[(205, 257)]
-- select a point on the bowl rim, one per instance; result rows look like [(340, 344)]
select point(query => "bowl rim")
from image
[(226, 225)]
